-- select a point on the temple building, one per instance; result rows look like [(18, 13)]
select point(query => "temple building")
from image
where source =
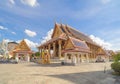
[(22, 51), (70, 44)]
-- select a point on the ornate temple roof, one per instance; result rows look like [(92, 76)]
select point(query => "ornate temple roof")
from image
[(102, 52), (61, 37), (75, 33), (78, 43), (77, 46), (22, 46), (62, 32)]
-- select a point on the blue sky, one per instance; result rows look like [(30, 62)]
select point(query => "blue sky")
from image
[(32, 19)]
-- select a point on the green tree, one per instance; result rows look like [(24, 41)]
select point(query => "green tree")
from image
[(37, 54), (117, 57), (116, 65)]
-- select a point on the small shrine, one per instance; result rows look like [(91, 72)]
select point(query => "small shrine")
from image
[(22, 52)]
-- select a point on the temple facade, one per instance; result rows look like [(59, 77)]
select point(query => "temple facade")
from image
[(22, 52), (70, 44)]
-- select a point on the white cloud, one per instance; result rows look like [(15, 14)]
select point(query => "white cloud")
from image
[(48, 36), (12, 2), (32, 3), (101, 42), (105, 1), (13, 33), (7, 40), (31, 44), (2, 28), (30, 33)]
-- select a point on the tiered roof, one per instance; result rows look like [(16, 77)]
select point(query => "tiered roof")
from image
[(74, 33), (22, 47), (77, 46), (78, 39)]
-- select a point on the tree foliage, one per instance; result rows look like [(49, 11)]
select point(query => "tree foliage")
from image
[(37, 54), (117, 57), (116, 65)]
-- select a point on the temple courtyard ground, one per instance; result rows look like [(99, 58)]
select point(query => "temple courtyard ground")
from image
[(31, 73)]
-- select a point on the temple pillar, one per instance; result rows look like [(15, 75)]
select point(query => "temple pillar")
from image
[(54, 49), (59, 42), (90, 58), (41, 52), (49, 50), (94, 57), (74, 59), (49, 54), (65, 58), (81, 57), (16, 57), (87, 58), (78, 58), (28, 58), (42, 55)]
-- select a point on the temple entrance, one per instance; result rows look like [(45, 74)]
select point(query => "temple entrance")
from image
[(21, 57), (76, 57)]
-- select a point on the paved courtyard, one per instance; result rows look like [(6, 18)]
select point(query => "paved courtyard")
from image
[(31, 73)]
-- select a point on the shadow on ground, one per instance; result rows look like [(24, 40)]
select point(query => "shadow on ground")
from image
[(96, 77), (93, 77), (49, 65)]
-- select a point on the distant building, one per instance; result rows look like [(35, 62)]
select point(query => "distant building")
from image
[(10, 48), (110, 54), (102, 56), (71, 45)]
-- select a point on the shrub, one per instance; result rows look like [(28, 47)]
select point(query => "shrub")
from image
[(117, 57), (116, 67), (37, 54)]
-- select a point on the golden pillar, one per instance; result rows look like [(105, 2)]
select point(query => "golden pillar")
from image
[(88, 60), (41, 52), (59, 48), (49, 53), (54, 49), (49, 49)]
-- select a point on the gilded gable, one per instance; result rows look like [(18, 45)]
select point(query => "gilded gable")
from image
[(69, 44), (22, 46), (57, 31), (101, 51)]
